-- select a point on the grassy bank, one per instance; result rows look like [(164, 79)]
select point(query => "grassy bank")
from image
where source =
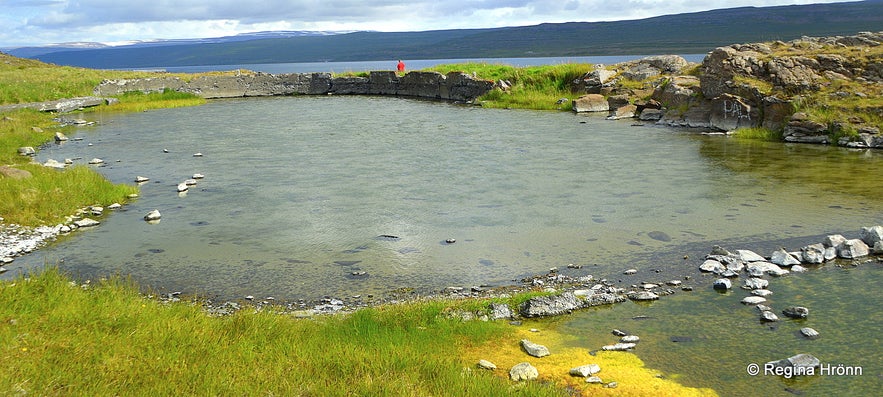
[(33, 195), (104, 338), (532, 87)]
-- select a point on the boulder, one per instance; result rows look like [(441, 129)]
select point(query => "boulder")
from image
[(623, 112), (643, 296), (783, 258), (871, 235), (756, 283), (768, 316), (86, 222), (585, 370), (854, 248), (796, 312), (27, 151), (523, 371), (801, 363), (500, 311), (153, 215), (712, 266), (485, 364), (730, 112), (833, 240), (722, 284), (650, 115), (813, 253), (749, 256), (590, 103), (60, 137), (753, 300), (534, 349), (809, 332)]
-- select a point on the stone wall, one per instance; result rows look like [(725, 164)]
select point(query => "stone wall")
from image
[(454, 86)]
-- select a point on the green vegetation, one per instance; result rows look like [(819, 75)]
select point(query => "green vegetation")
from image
[(532, 87), (759, 133), (138, 101), (104, 338)]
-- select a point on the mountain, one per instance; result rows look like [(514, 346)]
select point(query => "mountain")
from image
[(689, 33)]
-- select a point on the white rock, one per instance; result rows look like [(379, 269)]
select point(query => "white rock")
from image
[(153, 216), (190, 182), (485, 364), (749, 256), (523, 371), (713, 266), (585, 370), (86, 222), (630, 339), (809, 332), (53, 164), (753, 300), (619, 347), (182, 187), (198, 176), (96, 161), (197, 154), (141, 179)]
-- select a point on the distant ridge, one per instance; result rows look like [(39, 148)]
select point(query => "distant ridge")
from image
[(671, 34)]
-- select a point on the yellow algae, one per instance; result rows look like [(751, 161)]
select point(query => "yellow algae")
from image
[(625, 368)]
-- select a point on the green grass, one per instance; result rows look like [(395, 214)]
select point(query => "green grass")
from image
[(61, 338), (759, 133), (533, 87), (137, 101)]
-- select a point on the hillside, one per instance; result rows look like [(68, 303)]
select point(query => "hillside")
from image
[(681, 34)]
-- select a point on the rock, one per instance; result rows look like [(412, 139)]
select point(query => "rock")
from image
[(198, 176), (594, 379), (756, 283), (590, 103), (27, 151), (797, 269), (753, 300), (758, 269), (713, 266), (618, 332), (783, 258), (651, 115), (53, 164), (115, 206), (523, 371), (585, 370), (611, 385), (871, 235), (153, 215), (60, 137), (623, 112), (834, 240), (500, 311), (878, 248), (96, 161), (182, 187), (534, 349), (813, 253), (749, 256), (190, 182), (809, 332), (485, 364), (86, 222), (141, 179), (14, 173), (630, 272), (619, 347), (768, 316), (800, 364), (722, 284), (761, 292), (197, 154), (854, 248), (643, 296), (796, 312), (630, 339)]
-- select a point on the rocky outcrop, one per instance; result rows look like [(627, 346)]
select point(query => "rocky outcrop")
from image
[(754, 85), (454, 86)]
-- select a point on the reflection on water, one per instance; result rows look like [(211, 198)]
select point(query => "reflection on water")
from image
[(298, 189)]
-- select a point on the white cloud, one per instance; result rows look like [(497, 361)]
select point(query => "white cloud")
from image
[(36, 22)]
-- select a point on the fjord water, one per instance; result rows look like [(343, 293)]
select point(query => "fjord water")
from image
[(302, 196), (299, 190)]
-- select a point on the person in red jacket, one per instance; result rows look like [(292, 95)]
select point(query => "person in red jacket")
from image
[(401, 66)]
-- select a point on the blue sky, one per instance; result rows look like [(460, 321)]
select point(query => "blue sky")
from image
[(41, 22)]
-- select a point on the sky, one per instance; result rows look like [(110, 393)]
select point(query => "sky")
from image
[(114, 22)]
